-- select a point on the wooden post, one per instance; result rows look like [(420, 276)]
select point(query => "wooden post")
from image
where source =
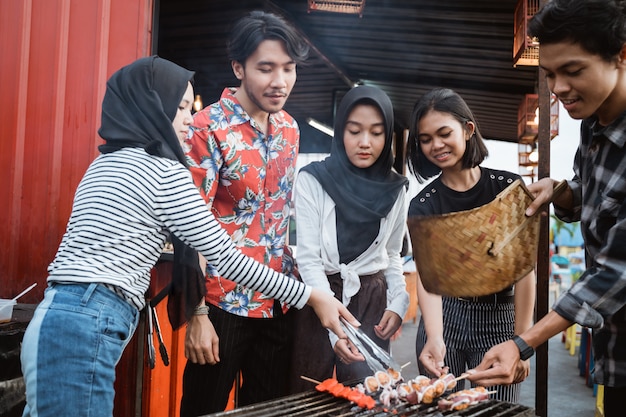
[(543, 256)]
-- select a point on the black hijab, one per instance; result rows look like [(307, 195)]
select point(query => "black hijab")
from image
[(363, 196), (138, 109)]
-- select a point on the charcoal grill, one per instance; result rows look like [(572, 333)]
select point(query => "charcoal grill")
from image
[(321, 404)]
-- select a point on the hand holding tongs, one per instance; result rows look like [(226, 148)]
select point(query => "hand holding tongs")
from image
[(375, 357)]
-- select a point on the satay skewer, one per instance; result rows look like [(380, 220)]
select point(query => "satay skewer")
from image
[(462, 376), (306, 378), (405, 365), (337, 389)]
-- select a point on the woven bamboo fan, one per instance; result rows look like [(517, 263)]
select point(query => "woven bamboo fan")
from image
[(480, 251)]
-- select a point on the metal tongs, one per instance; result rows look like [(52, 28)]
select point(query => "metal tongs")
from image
[(153, 323), (151, 351), (376, 358)]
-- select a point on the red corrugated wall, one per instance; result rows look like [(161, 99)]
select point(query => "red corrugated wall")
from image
[(56, 58)]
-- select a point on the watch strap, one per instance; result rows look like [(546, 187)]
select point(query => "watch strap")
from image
[(525, 351)]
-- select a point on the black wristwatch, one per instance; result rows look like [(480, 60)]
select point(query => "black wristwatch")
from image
[(525, 351)]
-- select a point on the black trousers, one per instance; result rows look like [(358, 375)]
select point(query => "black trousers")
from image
[(314, 357), (259, 348), (614, 401), (470, 329)]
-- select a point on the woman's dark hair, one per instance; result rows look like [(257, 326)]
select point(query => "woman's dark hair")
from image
[(258, 26), (598, 26), (447, 101)]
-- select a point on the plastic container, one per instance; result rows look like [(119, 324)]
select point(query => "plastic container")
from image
[(6, 310)]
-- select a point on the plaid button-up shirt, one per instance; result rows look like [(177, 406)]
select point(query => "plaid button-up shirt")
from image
[(598, 298)]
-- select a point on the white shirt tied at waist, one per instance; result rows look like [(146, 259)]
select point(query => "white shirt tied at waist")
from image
[(351, 283), (318, 255)]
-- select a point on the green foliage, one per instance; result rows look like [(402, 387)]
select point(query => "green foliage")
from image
[(559, 225)]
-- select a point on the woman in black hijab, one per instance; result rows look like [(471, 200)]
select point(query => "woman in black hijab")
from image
[(351, 215), (151, 83), (130, 196)]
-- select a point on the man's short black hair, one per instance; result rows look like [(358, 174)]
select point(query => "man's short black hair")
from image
[(259, 26), (598, 26)]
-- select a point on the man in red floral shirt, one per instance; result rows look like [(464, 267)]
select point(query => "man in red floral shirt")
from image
[(243, 157)]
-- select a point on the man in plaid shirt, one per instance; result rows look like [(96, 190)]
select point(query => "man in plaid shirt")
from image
[(583, 52)]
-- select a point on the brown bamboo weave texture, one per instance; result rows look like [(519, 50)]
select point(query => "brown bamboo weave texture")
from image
[(480, 251)]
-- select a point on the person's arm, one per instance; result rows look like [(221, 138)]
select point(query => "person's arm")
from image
[(188, 218), (524, 303), (201, 339), (434, 351), (500, 364), (397, 295), (388, 325), (524, 310), (594, 295), (543, 192)]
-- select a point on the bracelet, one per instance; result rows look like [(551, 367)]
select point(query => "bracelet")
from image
[(202, 310)]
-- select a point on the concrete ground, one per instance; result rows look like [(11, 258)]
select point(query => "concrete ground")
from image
[(568, 396)]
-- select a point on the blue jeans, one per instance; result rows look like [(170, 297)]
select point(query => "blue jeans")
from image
[(70, 350)]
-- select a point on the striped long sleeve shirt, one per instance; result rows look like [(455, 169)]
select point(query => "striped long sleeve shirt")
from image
[(123, 208)]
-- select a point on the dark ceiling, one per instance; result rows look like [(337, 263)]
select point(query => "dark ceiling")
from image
[(405, 47)]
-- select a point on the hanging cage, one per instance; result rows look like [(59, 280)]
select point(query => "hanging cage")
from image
[(525, 49)]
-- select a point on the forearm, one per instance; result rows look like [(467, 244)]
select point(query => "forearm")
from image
[(524, 303), (550, 325), (545, 191), (201, 340), (431, 309), (397, 295)]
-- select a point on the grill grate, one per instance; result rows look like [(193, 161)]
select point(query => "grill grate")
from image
[(318, 404)]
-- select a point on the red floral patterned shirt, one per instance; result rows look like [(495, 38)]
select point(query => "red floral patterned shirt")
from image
[(246, 177)]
